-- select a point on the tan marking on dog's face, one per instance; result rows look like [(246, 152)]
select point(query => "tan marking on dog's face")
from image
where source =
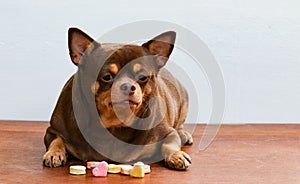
[(107, 114), (137, 67), (95, 87), (148, 89), (113, 68)]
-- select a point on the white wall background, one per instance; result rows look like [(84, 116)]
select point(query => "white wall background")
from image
[(256, 43)]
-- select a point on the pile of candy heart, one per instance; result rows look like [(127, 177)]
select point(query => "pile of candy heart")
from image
[(100, 169)]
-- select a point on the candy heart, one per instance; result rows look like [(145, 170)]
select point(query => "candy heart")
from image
[(125, 169), (92, 164), (101, 170), (137, 171)]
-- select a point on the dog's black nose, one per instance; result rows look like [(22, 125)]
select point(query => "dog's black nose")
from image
[(128, 88)]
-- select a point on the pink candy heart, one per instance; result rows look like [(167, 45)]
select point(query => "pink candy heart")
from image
[(101, 169)]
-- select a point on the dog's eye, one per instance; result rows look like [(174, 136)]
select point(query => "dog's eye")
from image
[(107, 78), (142, 78)]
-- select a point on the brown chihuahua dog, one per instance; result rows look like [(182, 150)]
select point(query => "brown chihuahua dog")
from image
[(140, 106)]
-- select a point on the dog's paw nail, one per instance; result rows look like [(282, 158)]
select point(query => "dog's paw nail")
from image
[(187, 163), (188, 158)]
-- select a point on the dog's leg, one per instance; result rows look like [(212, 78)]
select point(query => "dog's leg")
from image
[(186, 137), (56, 155), (174, 157)]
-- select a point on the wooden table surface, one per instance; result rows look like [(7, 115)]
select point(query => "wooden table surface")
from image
[(239, 154)]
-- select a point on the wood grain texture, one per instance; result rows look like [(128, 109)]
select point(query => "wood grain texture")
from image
[(239, 154)]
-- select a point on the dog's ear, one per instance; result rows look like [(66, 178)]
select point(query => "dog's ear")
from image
[(161, 46), (78, 42)]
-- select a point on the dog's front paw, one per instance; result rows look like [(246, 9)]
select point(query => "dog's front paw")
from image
[(178, 160), (55, 158)]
